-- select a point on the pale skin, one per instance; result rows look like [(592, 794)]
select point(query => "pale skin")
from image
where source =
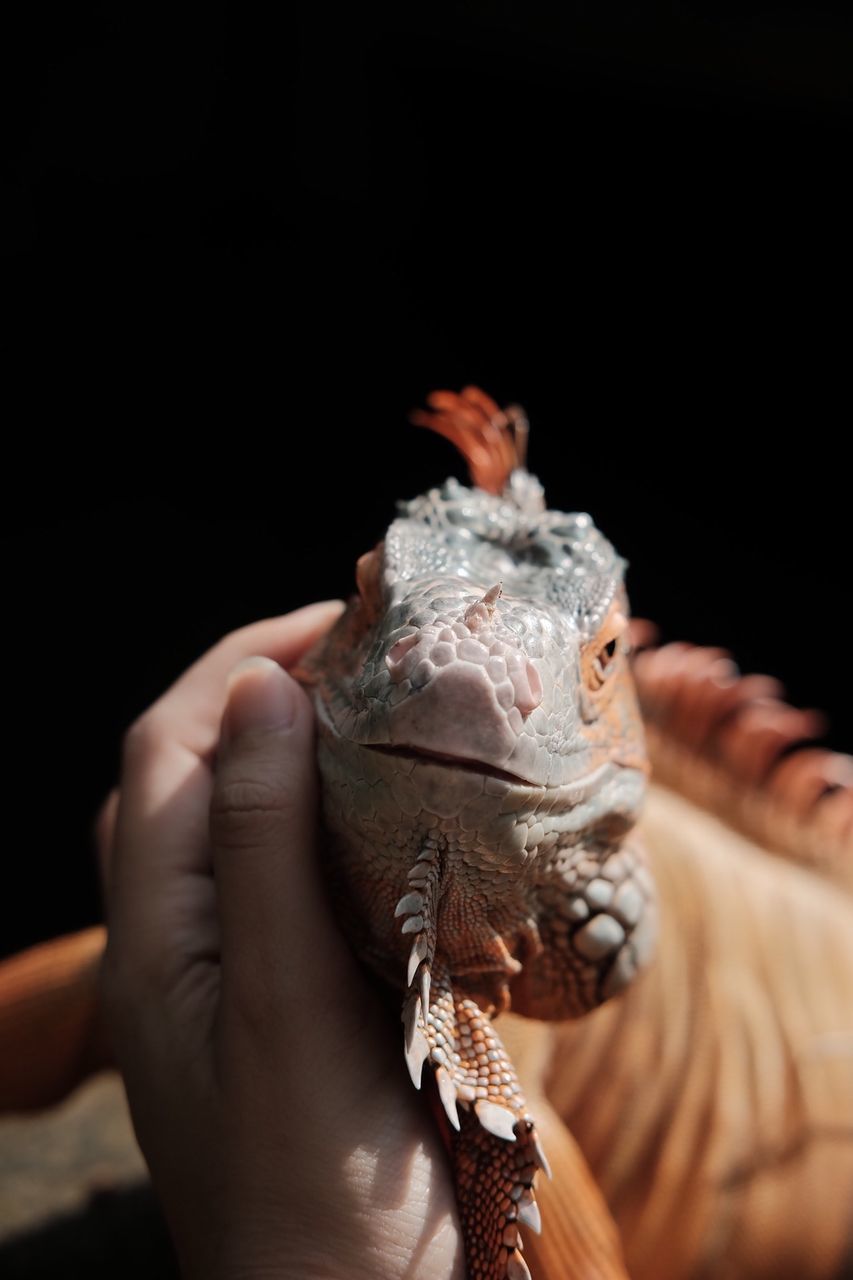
[(265, 1077)]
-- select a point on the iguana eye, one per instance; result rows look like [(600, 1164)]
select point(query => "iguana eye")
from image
[(600, 657), (603, 663), (600, 666)]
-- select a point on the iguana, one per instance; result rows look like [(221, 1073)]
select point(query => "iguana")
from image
[(685, 1051)]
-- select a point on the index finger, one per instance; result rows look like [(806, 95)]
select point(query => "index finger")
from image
[(190, 711)]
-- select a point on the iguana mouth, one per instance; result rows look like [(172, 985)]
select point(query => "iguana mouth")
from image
[(457, 762)]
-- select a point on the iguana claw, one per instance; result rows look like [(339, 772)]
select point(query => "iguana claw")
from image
[(496, 1119)]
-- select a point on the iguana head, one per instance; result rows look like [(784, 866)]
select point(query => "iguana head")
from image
[(489, 633)]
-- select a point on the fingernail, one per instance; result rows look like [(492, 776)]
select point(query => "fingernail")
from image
[(260, 696)]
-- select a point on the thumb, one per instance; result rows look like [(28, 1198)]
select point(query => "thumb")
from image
[(263, 828)]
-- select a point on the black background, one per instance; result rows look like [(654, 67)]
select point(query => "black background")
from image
[(243, 241)]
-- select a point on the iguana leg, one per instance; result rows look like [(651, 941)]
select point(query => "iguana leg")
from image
[(597, 923), (494, 1145)]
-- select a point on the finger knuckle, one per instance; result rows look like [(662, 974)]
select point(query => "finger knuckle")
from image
[(247, 811), (139, 739)]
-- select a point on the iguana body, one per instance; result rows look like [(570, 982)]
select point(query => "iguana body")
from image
[(484, 770)]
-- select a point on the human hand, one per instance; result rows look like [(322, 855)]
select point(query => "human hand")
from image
[(266, 1083)]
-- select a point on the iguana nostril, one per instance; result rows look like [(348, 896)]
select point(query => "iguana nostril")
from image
[(527, 684)]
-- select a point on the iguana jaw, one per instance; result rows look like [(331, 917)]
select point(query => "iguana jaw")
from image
[(561, 796), (495, 820)]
